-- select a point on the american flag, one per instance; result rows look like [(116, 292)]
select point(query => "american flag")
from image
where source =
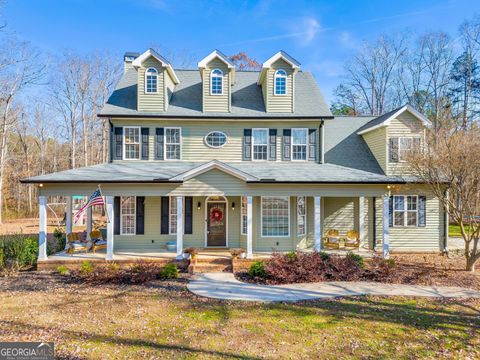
[(95, 199)]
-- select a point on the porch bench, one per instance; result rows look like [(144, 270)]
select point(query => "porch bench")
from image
[(97, 241), (75, 243)]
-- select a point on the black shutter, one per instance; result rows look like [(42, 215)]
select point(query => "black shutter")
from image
[(422, 211), (118, 141), (393, 149), (188, 223), (159, 144), (145, 133), (312, 144), (247, 144), (140, 221), (390, 211), (111, 148), (164, 227), (116, 215), (272, 142), (287, 133)]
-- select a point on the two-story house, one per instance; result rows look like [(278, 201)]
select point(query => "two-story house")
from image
[(221, 158)]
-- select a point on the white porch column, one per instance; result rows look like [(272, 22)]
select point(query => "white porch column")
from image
[(386, 229), (111, 217), (318, 223), (249, 227), (89, 223), (179, 227), (42, 230), (68, 217), (361, 220)]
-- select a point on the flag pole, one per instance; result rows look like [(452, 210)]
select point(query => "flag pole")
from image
[(104, 200)]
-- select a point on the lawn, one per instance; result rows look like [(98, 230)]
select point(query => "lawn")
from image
[(163, 320), (454, 230)]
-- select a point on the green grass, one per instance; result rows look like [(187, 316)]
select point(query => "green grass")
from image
[(454, 230), (155, 322)]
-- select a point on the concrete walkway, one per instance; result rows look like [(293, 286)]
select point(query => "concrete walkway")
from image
[(224, 286)]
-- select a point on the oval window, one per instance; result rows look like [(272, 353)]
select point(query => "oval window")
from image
[(216, 139)]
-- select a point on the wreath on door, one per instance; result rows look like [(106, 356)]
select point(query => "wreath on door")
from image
[(216, 214)]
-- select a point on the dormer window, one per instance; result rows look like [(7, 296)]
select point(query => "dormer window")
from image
[(151, 81), (280, 82), (216, 82)]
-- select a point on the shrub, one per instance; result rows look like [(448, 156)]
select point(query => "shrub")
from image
[(291, 255), (86, 268), (257, 270), (324, 256), (356, 258), (58, 242), (62, 270), (18, 252), (170, 271)]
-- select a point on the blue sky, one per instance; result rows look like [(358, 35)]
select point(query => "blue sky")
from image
[(320, 34)]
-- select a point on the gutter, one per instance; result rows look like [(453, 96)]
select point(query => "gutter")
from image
[(219, 117), (154, 181)]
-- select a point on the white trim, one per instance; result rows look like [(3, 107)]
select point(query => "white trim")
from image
[(398, 147), (170, 198), (249, 227), (165, 142), (387, 121), (361, 220), (386, 229), (42, 229), (134, 215), (68, 215), (281, 55), (215, 147), (180, 200), (317, 208), (291, 144), (275, 76), (212, 75), (305, 215), (261, 217), (110, 229), (145, 80), (150, 52), (139, 142), (214, 164), (224, 201), (216, 54), (405, 211), (241, 215), (253, 145)]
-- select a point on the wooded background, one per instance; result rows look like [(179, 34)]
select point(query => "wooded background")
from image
[(48, 104)]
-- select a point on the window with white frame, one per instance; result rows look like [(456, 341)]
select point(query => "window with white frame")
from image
[(275, 216), (405, 210), (131, 143), (400, 147), (301, 215), (151, 81), (173, 137), (127, 215), (173, 215), (280, 82), (244, 215), (299, 144), (259, 144), (216, 82)]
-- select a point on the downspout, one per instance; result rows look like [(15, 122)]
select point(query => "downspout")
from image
[(322, 142)]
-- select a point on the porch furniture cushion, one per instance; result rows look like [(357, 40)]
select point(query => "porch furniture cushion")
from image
[(75, 243), (352, 239), (332, 239), (98, 241)]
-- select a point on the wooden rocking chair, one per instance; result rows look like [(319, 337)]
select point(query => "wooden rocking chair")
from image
[(75, 243), (98, 243), (332, 239), (352, 239)]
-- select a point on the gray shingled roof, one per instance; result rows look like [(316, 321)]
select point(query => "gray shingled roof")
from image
[(377, 120), (131, 172), (247, 99)]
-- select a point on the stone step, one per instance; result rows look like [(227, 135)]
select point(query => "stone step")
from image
[(201, 266)]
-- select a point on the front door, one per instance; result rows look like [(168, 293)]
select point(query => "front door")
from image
[(216, 224)]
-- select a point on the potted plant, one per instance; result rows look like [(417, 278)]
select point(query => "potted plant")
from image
[(237, 253), (191, 253)]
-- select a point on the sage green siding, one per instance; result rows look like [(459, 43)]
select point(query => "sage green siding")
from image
[(151, 102), (279, 103), (216, 103), (193, 136), (169, 87), (340, 214), (377, 142)]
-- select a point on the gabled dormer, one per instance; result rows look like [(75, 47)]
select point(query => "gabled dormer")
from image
[(156, 81), (218, 76), (277, 80)]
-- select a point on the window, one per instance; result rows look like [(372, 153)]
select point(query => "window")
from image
[(216, 139), (275, 216), (401, 146), (216, 82), (172, 143), (260, 144), (127, 215), (301, 215), (244, 215), (280, 82), (151, 80), (299, 144), (131, 143), (173, 215), (405, 210)]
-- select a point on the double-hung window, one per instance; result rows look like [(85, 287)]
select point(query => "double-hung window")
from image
[(299, 144), (280, 82), (405, 210), (301, 215), (400, 147), (260, 144), (216, 82), (131, 143), (275, 216), (151, 81), (127, 215), (244, 215), (173, 138)]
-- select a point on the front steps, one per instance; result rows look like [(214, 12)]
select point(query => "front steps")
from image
[(213, 263)]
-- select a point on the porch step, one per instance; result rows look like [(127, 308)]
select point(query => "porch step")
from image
[(210, 264)]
